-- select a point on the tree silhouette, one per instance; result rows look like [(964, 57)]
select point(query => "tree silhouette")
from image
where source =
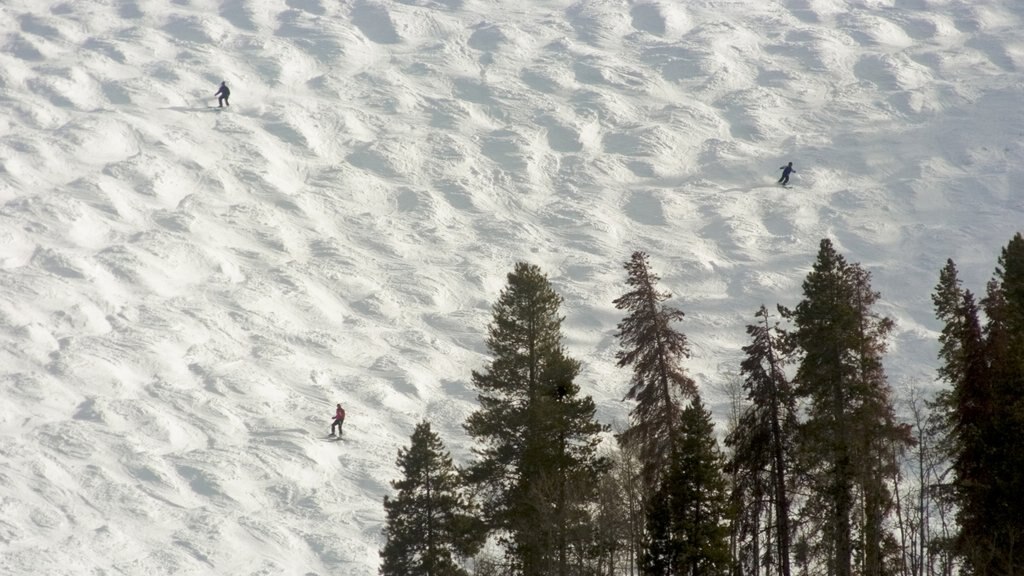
[(654, 349), (429, 522), (763, 445), (536, 436)]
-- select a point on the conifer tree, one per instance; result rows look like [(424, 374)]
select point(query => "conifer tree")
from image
[(983, 412), (430, 523), (1003, 472), (688, 515), (763, 443), (849, 433), (662, 553), (536, 436), (654, 348), (955, 308), (962, 411)]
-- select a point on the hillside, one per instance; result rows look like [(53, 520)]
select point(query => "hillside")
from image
[(186, 292)]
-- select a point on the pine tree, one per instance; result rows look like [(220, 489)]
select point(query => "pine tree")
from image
[(655, 349), (954, 307), (824, 323), (762, 444), (430, 522), (849, 435), (965, 410), (984, 412), (662, 554), (687, 517), (1004, 458), (536, 436)]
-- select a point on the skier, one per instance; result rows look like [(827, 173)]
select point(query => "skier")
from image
[(339, 419), (222, 95), (786, 171)]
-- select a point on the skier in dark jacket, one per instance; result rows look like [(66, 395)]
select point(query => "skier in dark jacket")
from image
[(786, 171), (222, 95), (339, 419)]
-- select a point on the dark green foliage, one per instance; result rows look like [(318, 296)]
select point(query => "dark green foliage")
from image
[(661, 558), (763, 444), (687, 517), (849, 436), (654, 349), (429, 522), (1010, 275), (1004, 306), (536, 436), (966, 409), (984, 412), (961, 332)]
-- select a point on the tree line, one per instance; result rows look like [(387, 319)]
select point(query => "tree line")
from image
[(817, 472)]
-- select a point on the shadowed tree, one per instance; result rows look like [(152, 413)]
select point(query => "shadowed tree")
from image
[(983, 412), (1002, 551), (654, 349), (688, 515), (763, 444), (536, 437), (430, 523), (847, 439), (965, 409)]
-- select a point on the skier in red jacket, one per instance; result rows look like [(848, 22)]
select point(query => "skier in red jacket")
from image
[(339, 419)]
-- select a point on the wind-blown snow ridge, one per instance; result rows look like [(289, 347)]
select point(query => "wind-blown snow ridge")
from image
[(186, 292)]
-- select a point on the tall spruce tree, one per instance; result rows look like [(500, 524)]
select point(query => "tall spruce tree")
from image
[(654, 348), (850, 432), (1004, 459), (430, 523), (984, 412), (536, 436), (688, 515), (763, 444), (965, 410)]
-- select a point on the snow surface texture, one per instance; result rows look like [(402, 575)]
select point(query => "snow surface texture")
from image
[(187, 292)]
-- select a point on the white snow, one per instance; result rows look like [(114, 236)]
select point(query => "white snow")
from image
[(185, 293)]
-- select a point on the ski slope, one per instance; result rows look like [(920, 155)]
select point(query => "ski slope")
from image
[(186, 292)]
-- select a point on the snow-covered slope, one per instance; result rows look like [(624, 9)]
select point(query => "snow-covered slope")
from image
[(187, 292)]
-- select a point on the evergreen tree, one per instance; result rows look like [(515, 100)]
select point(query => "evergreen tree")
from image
[(1004, 441), (662, 554), (955, 308), (762, 444), (984, 412), (429, 523), (965, 410), (849, 433), (536, 436), (655, 349), (687, 517)]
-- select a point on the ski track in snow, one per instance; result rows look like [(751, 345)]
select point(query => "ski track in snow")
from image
[(186, 292)]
